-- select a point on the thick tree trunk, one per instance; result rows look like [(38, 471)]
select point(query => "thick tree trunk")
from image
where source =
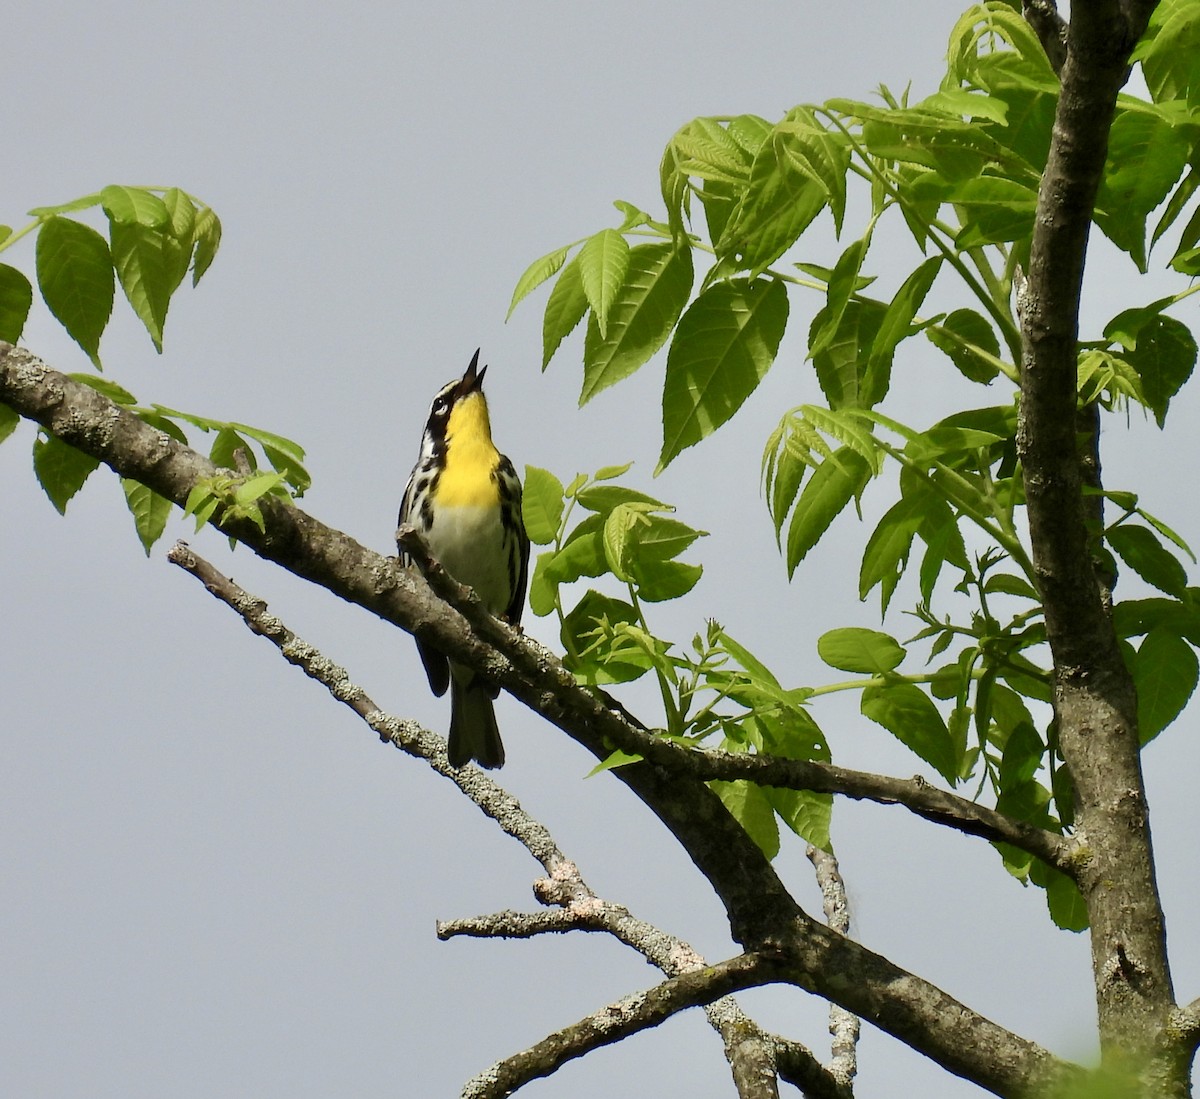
[(1095, 704)]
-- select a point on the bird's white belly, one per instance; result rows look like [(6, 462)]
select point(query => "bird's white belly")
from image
[(468, 542)]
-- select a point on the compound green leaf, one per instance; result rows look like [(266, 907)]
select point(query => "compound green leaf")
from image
[(603, 260), (149, 510), (1164, 357), (723, 347), (887, 550), (749, 806), (16, 296), (61, 469), (207, 232), (910, 716), (1165, 674), (659, 581), (854, 649), (537, 273), (833, 484), (134, 206), (144, 266), (970, 341), (75, 276), (541, 505), (1139, 548), (896, 326), (84, 203), (8, 421), (565, 308), (779, 203), (643, 312)]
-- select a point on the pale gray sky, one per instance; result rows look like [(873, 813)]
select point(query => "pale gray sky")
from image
[(215, 881)]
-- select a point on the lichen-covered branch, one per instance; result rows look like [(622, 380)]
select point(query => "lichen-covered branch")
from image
[(627, 1016), (762, 913), (749, 1050), (843, 1026)]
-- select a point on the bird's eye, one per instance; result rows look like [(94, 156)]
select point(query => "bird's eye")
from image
[(440, 406)]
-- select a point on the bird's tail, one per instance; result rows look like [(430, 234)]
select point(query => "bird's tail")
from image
[(473, 731)]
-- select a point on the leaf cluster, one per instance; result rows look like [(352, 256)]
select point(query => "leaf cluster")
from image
[(155, 237), (716, 278)]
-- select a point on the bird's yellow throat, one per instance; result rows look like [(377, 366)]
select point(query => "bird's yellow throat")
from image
[(471, 457)]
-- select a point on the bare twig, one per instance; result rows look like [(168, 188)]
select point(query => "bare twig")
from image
[(843, 1025), (623, 1018), (748, 1050)]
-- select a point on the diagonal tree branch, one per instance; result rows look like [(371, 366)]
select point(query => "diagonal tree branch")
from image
[(627, 1016), (915, 794), (749, 1051), (760, 910)]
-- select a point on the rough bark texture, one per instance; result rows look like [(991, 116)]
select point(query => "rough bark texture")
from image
[(1094, 697), (762, 914)]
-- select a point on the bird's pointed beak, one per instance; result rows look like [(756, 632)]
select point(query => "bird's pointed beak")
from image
[(472, 380)]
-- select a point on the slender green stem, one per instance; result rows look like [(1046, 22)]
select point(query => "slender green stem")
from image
[(12, 238), (666, 686)]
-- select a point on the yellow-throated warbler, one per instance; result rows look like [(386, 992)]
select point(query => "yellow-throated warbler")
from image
[(464, 499)]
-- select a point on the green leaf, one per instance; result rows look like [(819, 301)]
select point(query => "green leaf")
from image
[(1139, 548), (641, 316), (620, 538), (609, 473), (1066, 904), (143, 265), (854, 649), (178, 240), (887, 550), (207, 232), (118, 394), (16, 296), (843, 282), (565, 308), (588, 657), (995, 210), (896, 326), (1165, 674), (723, 346), (841, 364), (970, 341), (659, 581), (84, 203), (135, 206), (61, 469), (834, 483), (541, 505), (749, 806), (537, 273), (805, 813), (1164, 358), (582, 554), (1146, 155), (603, 498), (780, 201), (543, 588), (603, 260), (75, 275), (150, 512), (909, 715), (8, 421)]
